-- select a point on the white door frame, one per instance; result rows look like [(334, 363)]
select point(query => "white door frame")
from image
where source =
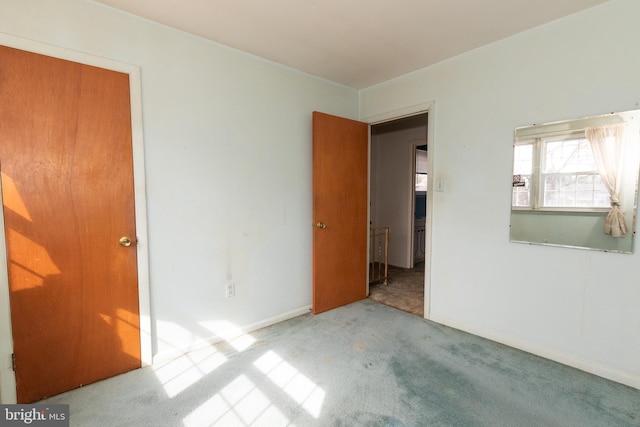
[(429, 108), (7, 375)]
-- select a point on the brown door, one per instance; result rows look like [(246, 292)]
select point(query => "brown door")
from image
[(67, 192), (340, 176)]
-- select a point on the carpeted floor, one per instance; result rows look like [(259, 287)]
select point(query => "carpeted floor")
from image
[(405, 290), (365, 364)]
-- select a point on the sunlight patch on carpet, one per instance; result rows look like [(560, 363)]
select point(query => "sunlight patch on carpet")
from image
[(298, 386), (179, 374), (239, 403)]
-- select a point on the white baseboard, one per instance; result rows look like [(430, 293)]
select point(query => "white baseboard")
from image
[(600, 370), (173, 353)]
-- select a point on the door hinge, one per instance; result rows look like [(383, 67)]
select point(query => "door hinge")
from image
[(13, 362)]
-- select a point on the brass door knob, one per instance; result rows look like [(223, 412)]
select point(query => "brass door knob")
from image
[(320, 224), (125, 241)]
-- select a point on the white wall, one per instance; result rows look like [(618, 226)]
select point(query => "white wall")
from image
[(392, 181), (228, 166), (576, 306)]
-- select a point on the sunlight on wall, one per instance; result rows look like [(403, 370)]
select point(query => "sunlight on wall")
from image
[(230, 333), (239, 403), (300, 388), (171, 335), (181, 373)]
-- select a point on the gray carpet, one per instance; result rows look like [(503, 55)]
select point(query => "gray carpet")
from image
[(361, 365)]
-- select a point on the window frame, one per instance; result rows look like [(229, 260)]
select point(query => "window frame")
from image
[(536, 196), (533, 199)]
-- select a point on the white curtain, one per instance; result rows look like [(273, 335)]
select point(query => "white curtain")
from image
[(607, 144)]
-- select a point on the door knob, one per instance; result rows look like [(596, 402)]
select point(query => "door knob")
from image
[(320, 224), (125, 241)]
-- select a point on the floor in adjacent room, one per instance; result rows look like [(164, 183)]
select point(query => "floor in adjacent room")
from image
[(404, 289)]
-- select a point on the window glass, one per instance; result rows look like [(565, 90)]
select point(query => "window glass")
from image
[(573, 155), (421, 182), (522, 171), (570, 178), (565, 176), (421, 168)]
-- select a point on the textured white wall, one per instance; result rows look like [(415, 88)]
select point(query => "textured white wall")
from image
[(582, 308), (228, 165)]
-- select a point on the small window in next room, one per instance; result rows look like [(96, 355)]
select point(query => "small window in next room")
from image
[(421, 168)]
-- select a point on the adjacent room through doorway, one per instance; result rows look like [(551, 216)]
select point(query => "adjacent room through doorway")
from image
[(398, 203)]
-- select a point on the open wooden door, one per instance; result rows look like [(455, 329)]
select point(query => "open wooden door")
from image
[(66, 164), (340, 183)]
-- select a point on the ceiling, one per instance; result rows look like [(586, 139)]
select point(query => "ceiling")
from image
[(357, 43)]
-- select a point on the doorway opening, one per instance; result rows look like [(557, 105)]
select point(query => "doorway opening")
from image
[(398, 195)]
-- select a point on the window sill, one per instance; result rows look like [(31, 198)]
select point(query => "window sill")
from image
[(563, 210)]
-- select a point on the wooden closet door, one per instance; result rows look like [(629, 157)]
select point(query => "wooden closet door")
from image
[(68, 198)]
